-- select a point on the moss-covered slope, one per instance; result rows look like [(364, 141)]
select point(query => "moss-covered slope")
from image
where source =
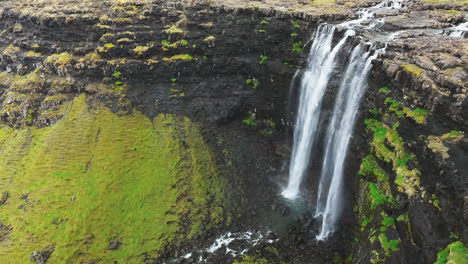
[(100, 187)]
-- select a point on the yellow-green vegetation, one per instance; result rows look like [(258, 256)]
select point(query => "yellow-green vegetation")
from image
[(456, 2), (60, 61), (91, 59), (185, 57), (95, 177), (140, 50), (11, 50), (32, 54), (407, 180), (413, 69), (107, 47), (418, 114), (328, 5), (102, 26), (251, 260), (384, 90), (437, 144), (388, 245), (29, 83), (455, 253), (124, 41), (166, 45), (209, 39), (174, 29), (6, 78)]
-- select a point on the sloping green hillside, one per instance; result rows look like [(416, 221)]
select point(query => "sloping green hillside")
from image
[(101, 187)]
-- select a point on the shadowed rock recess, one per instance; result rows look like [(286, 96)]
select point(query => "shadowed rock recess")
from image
[(143, 131)]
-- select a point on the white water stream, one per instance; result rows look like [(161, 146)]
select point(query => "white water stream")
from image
[(321, 62)]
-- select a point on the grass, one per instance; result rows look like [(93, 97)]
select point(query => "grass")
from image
[(95, 176)]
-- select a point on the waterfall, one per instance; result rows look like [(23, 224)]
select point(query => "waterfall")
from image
[(340, 129), (321, 62), (320, 65)]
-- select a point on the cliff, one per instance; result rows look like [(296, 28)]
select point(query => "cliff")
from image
[(139, 131)]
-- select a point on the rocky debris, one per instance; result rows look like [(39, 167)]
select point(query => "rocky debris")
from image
[(41, 257), (4, 199)]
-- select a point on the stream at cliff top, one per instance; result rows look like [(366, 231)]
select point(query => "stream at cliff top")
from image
[(314, 84)]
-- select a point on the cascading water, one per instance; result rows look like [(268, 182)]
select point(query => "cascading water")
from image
[(340, 129), (322, 59)]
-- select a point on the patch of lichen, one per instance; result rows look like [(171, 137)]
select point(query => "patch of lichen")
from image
[(95, 176), (455, 253), (438, 144)]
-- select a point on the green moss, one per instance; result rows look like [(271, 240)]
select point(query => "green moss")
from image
[(407, 180), (386, 223), (95, 176), (140, 50), (60, 61), (106, 48), (297, 47), (31, 82), (209, 39), (173, 30), (251, 260), (124, 41), (384, 90), (437, 144), (252, 82), (11, 50), (185, 57), (166, 45), (370, 168), (455, 253), (32, 54), (452, 135), (388, 245), (376, 197), (413, 69), (419, 115)]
